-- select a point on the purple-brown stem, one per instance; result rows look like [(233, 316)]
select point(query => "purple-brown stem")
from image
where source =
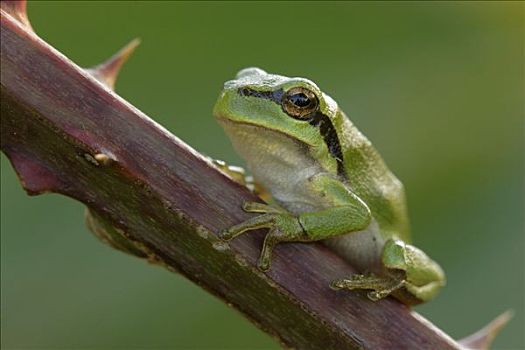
[(153, 196)]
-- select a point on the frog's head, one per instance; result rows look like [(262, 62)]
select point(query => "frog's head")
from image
[(293, 108)]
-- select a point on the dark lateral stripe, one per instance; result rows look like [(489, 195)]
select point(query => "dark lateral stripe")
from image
[(317, 119), (275, 96), (327, 129)]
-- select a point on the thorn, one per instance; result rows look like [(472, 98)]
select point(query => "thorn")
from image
[(483, 338), (17, 9), (108, 71), (36, 177)]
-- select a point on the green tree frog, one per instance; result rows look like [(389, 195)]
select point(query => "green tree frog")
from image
[(328, 181)]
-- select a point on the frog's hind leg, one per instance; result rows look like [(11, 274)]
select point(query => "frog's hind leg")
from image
[(407, 273)]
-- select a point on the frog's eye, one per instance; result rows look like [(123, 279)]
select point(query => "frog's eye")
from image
[(299, 102)]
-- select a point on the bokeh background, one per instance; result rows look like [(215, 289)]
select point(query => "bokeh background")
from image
[(438, 87)]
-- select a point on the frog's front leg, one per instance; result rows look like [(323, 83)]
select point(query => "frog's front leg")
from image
[(237, 173), (282, 227), (408, 274), (350, 214)]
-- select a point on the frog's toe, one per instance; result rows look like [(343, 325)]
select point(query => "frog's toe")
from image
[(261, 221), (263, 264), (337, 284), (255, 207), (226, 235), (358, 277), (380, 286), (354, 282), (282, 226), (377, 295)]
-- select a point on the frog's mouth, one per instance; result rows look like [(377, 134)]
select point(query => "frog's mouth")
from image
[(244, 134), (233, 125)]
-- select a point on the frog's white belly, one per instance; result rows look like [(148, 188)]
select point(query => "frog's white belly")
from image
[(283, 166)]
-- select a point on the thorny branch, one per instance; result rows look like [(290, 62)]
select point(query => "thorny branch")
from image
[(150, 195)]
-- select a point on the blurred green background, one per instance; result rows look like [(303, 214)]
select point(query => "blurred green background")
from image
[(438, 88)]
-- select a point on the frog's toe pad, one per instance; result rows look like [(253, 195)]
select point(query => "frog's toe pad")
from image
[(256, 207), (354, 282), (376, 295), (263, 265), (225, 235), (342, 283)]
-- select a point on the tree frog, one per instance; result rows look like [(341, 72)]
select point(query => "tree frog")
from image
[(328, 181)]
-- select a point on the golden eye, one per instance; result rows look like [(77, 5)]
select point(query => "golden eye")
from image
[(299, 102)]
